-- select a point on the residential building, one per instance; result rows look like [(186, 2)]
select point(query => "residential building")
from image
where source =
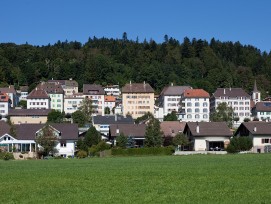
[(135, 132), (110, 102), (112, 90), (256, 95), (67, 136), (170, 97), (137, 99), (195, 105), (96, 94), (32, 116), (23, 93), (38, 99), (259, 132), (4, 104), (72, 103), (102, 123), (236, 98), (170, 129), (208, 136), (70, 86), (12, 94), (56, 94), (262, 111)]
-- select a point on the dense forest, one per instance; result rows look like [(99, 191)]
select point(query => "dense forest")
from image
[(194, 62)]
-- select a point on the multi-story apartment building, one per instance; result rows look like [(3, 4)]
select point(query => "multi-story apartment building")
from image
[(23, 93), (12, 94), (137, 99), (195, 106), (70, 86), (236, 98), (38, 99), (96, 94), (56, 94), (4, 104), (112, 90), (110, 102), (72, 103), (170, 97)]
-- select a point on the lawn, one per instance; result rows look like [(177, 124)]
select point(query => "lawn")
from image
[(160, 179)]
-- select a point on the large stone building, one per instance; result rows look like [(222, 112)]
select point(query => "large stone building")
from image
[(137, 99)]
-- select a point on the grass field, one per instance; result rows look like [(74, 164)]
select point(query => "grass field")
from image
[(161, 179)]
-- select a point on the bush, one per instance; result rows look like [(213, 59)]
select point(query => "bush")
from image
[(238, 144), (143, 151), (81, 154), (95, 150), (8, 156)]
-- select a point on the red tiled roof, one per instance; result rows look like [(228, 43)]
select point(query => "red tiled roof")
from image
[(51, 88), (37, 93), (4, 97), (109, 99), (196, 93), (9, 89)]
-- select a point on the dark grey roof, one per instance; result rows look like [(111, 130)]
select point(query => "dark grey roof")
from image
[(231, 92), (171, 128), (4, 128), (262, 128), (69, 82), (133, 130), (112, 119), (28, 131), (38, 93), (51, 88), (9, 89), (174, 90), (137, 88), (93, 89), (208, 129), (24, 88), (29, 112), (264, 106)]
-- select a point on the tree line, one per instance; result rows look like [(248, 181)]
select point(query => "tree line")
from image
[(194, 62)]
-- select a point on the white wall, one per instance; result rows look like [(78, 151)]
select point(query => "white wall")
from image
[(68, 150), (4, 108), (38, 104)]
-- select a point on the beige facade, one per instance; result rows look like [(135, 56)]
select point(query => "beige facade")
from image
[(28, 119), (137, 104)]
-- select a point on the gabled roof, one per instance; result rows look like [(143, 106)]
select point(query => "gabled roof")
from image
[(174, 90), (28, 131), (69, 82), (137, 88), (230, 92), (51, 88), (133, 130), (9, 89), (171, 128), (29, 112), (208, 129), (93, 89), (256, 127), (112, 119), (196, 93), (4, 128), (38, 93), (264, 106)]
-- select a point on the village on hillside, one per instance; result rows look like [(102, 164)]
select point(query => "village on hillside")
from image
[(207, 121)]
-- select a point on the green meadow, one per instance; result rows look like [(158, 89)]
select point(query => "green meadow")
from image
[(154, 179)]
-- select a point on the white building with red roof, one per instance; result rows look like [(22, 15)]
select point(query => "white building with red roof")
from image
[(195, 106), (38, 99), (4, 104)]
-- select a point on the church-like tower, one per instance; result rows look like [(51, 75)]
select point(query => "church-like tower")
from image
[(256, 95)]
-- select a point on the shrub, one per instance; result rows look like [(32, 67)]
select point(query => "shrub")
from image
[(81, 154), (238, 144), (8, 156), (143, 151)]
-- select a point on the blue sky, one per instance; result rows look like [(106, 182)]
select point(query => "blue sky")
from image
[(41, 22)]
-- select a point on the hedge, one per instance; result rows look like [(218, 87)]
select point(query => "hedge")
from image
[(6, 155), (143, 151)]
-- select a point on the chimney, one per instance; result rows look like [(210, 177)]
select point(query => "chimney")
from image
[(116, 117), (255, 129), (230, 88), (171, 84), (117, 130), (130, 82), (197, 128), (224, 91)]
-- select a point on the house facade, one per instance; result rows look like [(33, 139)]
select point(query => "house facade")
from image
[(137, 99), (96, 94), (12, 94), (208, 136), (112, 90), (195, 106), (38, 99), (32, 116), (262, 111), (23, 93), (72, 103), (170, 98), (4, 104), (110, 102), (259, 132), (236, 98)]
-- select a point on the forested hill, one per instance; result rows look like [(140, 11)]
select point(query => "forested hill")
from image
[(111, 61)]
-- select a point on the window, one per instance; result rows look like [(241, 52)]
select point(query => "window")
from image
[(189, 104), (197, 110), (205, 104), (205, 110), (241, 103), (266, 140), (189, 116), (197, 116), (189, 110), (197, 104), (63, 144), (205, 116)]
